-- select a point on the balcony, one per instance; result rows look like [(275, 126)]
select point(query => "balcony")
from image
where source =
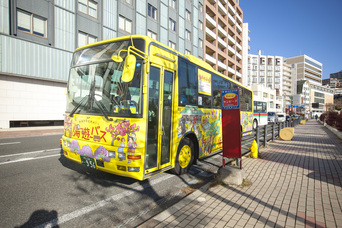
[(239, 19), (231, 9), (231, 70), (238, 74), (238, 46), (231, 40), (211, 21), (221, 31), (222, 43), (210, 33), (224, 1), (222, 9), (231, 20), (231, 50), (238, 56), (209, 59), (238, 28), (221, 65), (212, 1)]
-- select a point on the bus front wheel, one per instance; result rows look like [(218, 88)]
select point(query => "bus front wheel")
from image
[(185, 156)]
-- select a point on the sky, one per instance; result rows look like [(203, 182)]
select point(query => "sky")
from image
[(296, 27)]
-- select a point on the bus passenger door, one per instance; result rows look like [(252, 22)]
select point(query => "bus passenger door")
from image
[(158, 152)]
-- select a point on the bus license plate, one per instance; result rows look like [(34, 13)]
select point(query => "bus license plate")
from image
[(89, 162)]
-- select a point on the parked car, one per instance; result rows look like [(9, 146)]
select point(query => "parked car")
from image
[(287, 118), (294, 117), (281, 117), (272, 117)]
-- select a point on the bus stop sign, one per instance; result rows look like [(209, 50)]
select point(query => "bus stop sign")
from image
[(231, 125)]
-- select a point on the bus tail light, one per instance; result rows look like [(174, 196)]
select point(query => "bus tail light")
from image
[(134, 157)]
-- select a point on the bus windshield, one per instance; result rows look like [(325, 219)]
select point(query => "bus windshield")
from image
[(95, 86)]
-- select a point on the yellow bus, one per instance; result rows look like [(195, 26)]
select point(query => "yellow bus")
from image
[(136, 107)]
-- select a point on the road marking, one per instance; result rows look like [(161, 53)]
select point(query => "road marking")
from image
[(102, 203), (9, 143), (28, 159), (33, 152)]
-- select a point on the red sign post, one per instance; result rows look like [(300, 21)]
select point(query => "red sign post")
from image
[(231, 125)]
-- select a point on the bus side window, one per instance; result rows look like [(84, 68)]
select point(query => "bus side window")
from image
[(188, 83)]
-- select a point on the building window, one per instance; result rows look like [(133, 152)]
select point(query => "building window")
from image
[(125, 24), (172, 44), (188, 15), (172, 24), (128, 1), (187, 52), (200, 7), (152, 34), (152, 12), (188, 34), (200, 43), (172, 3), (30, 23), (88, 7), (85, 38), (200, 25)]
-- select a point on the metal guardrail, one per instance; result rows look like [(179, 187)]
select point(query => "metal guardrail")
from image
[(263, 134)]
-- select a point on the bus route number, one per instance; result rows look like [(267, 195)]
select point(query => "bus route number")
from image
[(89, 162)]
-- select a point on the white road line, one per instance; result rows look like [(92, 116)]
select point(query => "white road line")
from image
[(33, 152), (28, 159), (9, 143), (102, 203)]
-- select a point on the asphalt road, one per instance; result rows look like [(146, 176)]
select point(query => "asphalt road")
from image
[(41, 188)]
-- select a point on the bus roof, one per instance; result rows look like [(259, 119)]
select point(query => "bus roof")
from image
[(148, 39)]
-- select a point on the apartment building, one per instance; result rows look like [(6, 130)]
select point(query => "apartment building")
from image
[(245, 49), (268, 71), (223, 37), (38, 37), (288, 84), (335, 80), (307, 68)]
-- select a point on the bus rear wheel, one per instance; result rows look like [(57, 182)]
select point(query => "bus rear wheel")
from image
[(255, 124), (185, 156)]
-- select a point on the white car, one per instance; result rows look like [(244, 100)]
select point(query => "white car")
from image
[(281, 117)]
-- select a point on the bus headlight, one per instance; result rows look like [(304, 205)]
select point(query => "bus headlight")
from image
[(133, 169), (111, 154)]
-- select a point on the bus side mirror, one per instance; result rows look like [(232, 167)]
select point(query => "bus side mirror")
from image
[(129, 68)]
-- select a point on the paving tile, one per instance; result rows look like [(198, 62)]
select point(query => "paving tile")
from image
[(296, 183)]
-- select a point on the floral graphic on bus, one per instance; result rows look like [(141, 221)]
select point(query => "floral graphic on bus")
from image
[(74, 146), (121, 129), (101, 153)]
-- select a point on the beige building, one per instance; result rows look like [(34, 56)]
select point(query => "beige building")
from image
[(223, 37), (322, 95), (307, 68)]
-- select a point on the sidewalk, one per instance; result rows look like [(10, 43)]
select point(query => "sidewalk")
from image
[(293, 184), (30, 131)]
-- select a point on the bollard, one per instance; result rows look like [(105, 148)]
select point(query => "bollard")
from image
[(254, 149)]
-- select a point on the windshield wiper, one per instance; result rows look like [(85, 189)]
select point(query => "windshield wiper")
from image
[(76, 107), (101, 109)]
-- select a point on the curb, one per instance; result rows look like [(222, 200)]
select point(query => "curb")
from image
[(333, 130)]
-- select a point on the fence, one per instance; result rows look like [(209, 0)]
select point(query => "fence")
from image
[(264, 134)]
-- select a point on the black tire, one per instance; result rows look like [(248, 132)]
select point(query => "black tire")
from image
[(255, 124), (185, 156)]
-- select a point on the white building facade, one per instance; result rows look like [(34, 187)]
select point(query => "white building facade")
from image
[(267, 71)]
